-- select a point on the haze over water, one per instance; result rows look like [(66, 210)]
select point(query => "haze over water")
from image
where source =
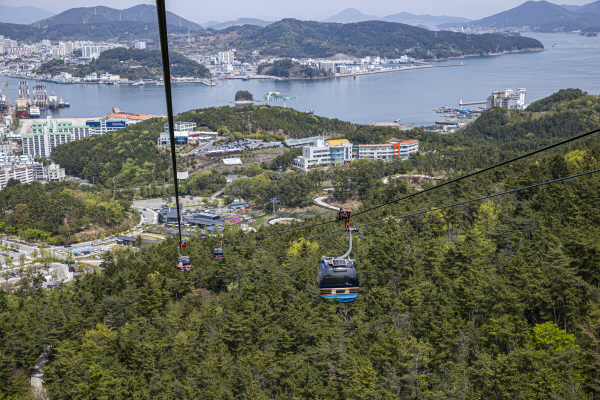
[(408, 95)]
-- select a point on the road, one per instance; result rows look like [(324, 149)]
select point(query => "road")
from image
[(386, 180), (319, 201)]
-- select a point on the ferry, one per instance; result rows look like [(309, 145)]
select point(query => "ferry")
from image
[(34, 112)]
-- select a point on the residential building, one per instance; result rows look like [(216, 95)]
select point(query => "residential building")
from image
[(509, 98), (107, 125), (24, 174), (327, 66), (226, 57), (140, 45), (56, 173), (6, 149), (47, 135), (22, 168)]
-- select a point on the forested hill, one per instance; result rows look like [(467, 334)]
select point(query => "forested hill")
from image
[(100, 31), (495, 299), (103, 14), (294, 38), (131, 64)]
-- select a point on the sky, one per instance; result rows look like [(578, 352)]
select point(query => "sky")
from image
[(225, 10)]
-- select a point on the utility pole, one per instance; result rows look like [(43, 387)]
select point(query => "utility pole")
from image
[(274, 201)]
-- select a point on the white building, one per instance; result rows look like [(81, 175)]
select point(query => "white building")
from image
[(327, 66), (56, 173), (47, 135), (509, 98), (22, 168), (324, 152), (182, 127), (107, 125), (226, 57), (140, 45), (387, 151)]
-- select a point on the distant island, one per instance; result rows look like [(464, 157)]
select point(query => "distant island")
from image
[(303, 39), (130, 64), (291, 69)]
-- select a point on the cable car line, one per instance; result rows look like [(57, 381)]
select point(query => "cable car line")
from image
[(448, 182), (430, 210)]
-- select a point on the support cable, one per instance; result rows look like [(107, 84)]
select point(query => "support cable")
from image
[(447, 182), (428, 211), (164, 49)]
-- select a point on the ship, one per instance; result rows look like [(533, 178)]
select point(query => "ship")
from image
[(52, 101), (61, 103), (40, 98), (161, 83), (22, 108), (208, 83), (34, 112), (67, 104)]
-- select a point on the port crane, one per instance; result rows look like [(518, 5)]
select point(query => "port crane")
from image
[(277, 96)]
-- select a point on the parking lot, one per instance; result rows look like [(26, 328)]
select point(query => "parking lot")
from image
[(239, 145)]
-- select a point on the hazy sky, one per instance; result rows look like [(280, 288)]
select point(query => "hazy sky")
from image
[(304, 9)]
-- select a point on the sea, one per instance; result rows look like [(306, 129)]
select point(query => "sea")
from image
[(568, 61)]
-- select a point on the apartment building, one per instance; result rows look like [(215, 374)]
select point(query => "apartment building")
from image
[(56, 173), (47, 135)]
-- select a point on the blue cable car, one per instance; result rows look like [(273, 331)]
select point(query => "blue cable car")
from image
[(336, 277), (218, 253)]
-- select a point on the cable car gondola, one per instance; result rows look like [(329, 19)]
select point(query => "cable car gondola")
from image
[(336, 277), (218, 253), (184, 264), (182, 243), (202, 235)]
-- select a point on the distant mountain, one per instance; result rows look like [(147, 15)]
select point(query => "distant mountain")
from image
[(242, 21), (22, 15), (350, 15), (430, 21), (570, 7), (89, 15), (535, 16), (589, 8)]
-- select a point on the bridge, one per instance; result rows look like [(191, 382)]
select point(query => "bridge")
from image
[(277, 96)]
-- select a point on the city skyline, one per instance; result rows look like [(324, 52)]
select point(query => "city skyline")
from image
[(309, 9)]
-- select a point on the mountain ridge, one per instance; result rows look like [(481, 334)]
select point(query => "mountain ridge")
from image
[(22, 15), (100, 14)]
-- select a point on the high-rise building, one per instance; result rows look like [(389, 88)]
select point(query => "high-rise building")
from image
[(509, 98), (22, 168), (47, 135), (226, 57), (139, 45)]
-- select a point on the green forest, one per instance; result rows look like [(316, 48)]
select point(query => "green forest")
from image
[(132, 64), (495, 299), (50, 212), (294, 38), (290, 69)]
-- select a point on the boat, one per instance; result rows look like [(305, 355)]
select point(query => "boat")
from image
[(247, 78), (22, 108), (208, 83), (161, 83), (309, 112), (231, 79), (397, 120), (34, 112), (111, 82), (67, 104), (52, 101), (61, 103), (140, 83)]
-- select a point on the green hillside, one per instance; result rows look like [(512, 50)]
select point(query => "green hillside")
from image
[(102, 14), (132, 64), (494, 299), (293, 38), (101, 31)]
